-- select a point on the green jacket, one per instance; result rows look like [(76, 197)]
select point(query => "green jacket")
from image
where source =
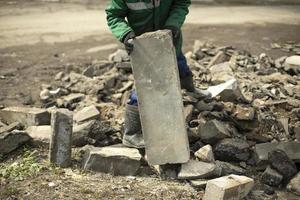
[(145, 16)]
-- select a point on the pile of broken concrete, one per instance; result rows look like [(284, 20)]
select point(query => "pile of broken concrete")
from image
[(250, 127)]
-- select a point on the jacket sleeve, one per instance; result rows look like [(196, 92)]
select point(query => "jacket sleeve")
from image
[(179, 10), (116, 12)]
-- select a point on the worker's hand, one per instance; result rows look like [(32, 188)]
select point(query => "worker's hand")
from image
[(128, 42), (175, 33)]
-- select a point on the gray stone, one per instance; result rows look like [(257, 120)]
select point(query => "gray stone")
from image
[(232, 150), (87, 113), (221, 73), (73, 98), (119, 56), (280, 161), (198, 183), (81, 133), (262, 150), (226, 168), (26, 116), (61, 137), (196, 169), (213, 131), (202, 106), (228, 188), (271, 177), (292, 65), (113, 159), (294, 185), (10, 141), (10, 127), (40, 133), (244, 113), (188, 112), (160, 102), (220, 57), (205, 154)]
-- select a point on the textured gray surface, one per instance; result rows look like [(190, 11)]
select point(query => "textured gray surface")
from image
[(160, 101)]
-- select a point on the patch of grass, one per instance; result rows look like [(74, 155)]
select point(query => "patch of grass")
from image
[(9, 192), (26, 166)]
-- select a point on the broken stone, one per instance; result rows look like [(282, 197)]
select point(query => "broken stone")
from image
[(45, 95), (119, 56), (199, 183), (213, 131), (228, 187), (280, 161), (292, 65), (221, 73), (196, 169), (10, 141), (262, 150), (220, 57), (113, 159), (225, 168), (294, 185), (232, 150), (188, 112), (271, 177), (202, 106), (26, 116), (40, 133), (10, 127), (205, 154), (158, 130), (61, 137), (244, 113), (73, 98), (87, 113)]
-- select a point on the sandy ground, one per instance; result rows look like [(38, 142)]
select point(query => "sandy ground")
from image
[(37, 40)]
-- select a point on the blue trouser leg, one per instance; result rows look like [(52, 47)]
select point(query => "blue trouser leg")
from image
[(183, 69)]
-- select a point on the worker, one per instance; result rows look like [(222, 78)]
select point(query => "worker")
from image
[(130, 18)]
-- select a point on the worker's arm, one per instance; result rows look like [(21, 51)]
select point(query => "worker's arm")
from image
[(116, 12), (178, 13)]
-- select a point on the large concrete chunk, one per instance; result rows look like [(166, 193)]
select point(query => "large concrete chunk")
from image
[(228, 188), (10, 141), (160, 101), (87, 113), (61, 137), (39, 133), (26, 116), (196, 169), (113, 159)]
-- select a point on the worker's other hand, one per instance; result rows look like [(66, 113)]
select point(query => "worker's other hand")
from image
[(128, 42), (175, 33)]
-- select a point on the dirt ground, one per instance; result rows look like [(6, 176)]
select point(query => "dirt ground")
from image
[(37, 40)]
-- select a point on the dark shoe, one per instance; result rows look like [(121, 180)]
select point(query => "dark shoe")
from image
[(133, 136), (188, 84)]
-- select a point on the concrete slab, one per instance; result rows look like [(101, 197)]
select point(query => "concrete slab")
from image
[(160, 102)]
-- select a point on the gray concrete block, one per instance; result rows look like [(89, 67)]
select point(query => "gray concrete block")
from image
[(160, 101), (26, 116), (40, 133), (61, 137), (10, 141), (87, 113)]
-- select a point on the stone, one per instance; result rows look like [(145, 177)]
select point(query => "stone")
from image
[(119, 56), (112, 159), (158, 92), (271, 177), (10, 141), (292, 149), (198, 183), (40, 133), (188, 112), (203, 106), (45, 95), (213, 131), (220, 57), (26, 116), (196, 169), (61, 137), (292, 65), (262, 150), (205, 154), (10, 127), (228, 187), (221, 73), (73, 98), (280, 161), (294, 185), (226, 168), (232, 150), (244, 113), (87, 113)]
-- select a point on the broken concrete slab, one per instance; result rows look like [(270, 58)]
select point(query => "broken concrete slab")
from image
[(205, 154), (10, 127), (157, 82), (87, 113), (61, 137), (213, 131), (271, 177), (10, 141), (40, 133), (228, 187), (262, 150), (199, 183), (112, 159), (232, 150), (225, 168), (26, 116), (280, 161), (196, 169), (294, 185)]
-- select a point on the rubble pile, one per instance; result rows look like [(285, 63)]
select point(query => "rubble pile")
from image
[(250, 127)]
